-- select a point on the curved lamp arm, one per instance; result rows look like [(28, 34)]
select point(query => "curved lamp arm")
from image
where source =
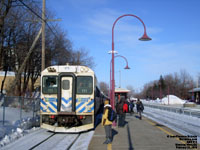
[(143, 38), (127, 67)]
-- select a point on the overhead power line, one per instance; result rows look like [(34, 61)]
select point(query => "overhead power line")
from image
[(39, 17)]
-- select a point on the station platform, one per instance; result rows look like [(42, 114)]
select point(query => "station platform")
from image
[(139, 134)]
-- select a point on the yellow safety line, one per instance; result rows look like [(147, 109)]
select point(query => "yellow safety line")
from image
[(169, 133), (109, 146)]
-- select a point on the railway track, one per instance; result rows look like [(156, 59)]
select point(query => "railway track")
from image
[(45, 140)]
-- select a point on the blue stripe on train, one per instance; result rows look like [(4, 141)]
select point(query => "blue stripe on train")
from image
[(80, 111), (91, 109), (51, 110), (66, 101), (41, 108), (41, 100), (91, 102), (52, 104), (77, 107), (52, 99)]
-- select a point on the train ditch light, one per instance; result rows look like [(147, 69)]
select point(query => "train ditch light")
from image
[(50, 69)]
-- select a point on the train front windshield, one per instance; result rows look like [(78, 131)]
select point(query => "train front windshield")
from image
[(49, 84)]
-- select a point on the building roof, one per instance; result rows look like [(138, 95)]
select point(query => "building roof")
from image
[(195, 90), (9, 73), (121, 90)]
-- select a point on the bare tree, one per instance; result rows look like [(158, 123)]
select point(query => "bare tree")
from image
[(59, 48), (81, 57), (5, 6), (176, 84), (104, 88), (132, 91)]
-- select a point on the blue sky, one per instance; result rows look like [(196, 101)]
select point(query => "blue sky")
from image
[(173, 26)]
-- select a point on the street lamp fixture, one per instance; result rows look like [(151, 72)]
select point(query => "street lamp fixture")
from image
[(127, 67), (145, 37)]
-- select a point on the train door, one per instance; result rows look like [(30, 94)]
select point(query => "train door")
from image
[(66, 94)]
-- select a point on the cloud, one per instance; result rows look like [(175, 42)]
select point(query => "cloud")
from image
[(170, 58), (86, 4), (101, 21)]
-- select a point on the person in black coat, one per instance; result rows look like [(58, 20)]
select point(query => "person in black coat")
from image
[(140, 108), (120, 112)]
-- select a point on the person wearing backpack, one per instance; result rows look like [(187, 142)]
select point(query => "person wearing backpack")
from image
[(140, 108), (107, 123), (131, 105)]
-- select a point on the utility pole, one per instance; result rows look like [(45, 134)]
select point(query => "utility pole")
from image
[(43, 36)]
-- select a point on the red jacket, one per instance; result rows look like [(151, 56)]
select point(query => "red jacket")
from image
[(125, 108)]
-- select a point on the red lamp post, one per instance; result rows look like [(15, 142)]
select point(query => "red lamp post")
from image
[(127, 67), (143, 38)]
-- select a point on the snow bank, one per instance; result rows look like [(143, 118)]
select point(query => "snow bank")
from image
[(172, 99), (14, 127)]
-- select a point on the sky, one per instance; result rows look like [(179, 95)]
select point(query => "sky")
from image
[(173, 26)]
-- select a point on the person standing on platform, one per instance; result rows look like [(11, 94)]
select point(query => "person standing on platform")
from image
[(125, 110), (106, 123), (131, 105), (120, 113), (140, 108)]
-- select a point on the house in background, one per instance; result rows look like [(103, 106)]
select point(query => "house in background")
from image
[(195, 95), (10, 78)]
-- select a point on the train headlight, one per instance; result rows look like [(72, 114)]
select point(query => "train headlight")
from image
[(51, 69), (84, 69)]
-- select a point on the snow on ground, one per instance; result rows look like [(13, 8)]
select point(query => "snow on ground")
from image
[(14, 128), (184, 124), (169, 99)]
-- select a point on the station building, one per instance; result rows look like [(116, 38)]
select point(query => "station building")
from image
[(195, 95), (10, 78), (120, 93)]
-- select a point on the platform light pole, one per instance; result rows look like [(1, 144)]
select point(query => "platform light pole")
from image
[(127, 67), (143, 38)]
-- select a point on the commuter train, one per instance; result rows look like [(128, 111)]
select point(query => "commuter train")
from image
[(70, 99)]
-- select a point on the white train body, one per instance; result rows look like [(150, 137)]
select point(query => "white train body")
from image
[(69, 99)]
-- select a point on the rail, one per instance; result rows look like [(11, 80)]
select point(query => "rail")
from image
[(176, 109)]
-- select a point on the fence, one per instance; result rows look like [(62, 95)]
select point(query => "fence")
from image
[(180, 110), (13, 109)]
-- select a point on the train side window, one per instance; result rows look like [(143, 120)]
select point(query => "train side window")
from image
[(84, 85), (65, 85)]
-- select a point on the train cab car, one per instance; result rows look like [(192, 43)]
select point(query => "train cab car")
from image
[(68, 99)]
